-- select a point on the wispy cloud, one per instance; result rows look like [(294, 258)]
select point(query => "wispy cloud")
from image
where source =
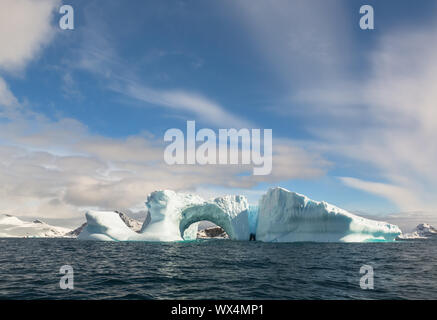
[(383, 119), (120, 77), (201, 107), (388, 120), (403, 197), (305, 42)]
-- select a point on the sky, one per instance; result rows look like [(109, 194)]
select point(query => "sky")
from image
[(83, 112)]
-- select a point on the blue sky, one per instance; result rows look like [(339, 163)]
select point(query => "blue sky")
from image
[(87, 108)]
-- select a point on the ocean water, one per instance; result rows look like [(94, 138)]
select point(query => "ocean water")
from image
[(216, 269)]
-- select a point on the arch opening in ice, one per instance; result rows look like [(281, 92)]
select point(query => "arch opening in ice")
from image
[(209, 212)]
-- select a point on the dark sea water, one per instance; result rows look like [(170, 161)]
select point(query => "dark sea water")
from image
[(216, 269)]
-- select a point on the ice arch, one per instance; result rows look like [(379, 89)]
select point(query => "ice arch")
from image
[(229, 213), (208, 212)]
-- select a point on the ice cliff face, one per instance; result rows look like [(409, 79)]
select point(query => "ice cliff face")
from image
[(286, 216), (281, 216)]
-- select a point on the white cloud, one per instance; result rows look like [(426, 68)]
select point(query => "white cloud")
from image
[(24, 29)]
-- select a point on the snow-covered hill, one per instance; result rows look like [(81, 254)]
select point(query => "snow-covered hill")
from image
[(422, 231), (13, 227)]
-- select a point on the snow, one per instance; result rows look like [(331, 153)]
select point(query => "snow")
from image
[(281, 216), (422, 231), (286, 216), (13, 227)]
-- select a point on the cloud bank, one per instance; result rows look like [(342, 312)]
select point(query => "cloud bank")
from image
[(58, 168)]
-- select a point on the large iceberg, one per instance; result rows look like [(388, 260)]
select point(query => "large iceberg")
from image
[(286, 216), (280, 216)]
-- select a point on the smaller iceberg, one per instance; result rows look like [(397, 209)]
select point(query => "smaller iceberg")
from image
[(105, 226)]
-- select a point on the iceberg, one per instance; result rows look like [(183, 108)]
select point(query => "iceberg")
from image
[(286, 216), (280, 216), (105, 226), (173, 217)]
